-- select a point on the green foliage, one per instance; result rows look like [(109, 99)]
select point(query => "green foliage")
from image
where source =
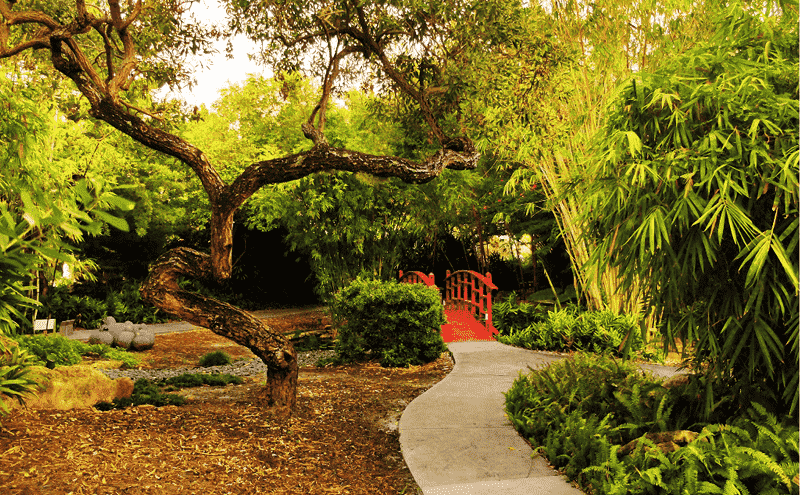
[(541, 401), (15, 381), (697, 198), (144, 392), (148, 392), (51, 350), (752, 454), (215, 358), (55, 350), (45, 206), (187, 380), (510, 317), (310, 342), (397, 323), (129, 360), (612, 429), (571, 329), (83, 303)]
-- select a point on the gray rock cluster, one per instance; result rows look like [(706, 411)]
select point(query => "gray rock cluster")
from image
[(127, 335), (250, 367)]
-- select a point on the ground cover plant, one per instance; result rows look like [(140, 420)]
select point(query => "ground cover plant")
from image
[(144, 392), (615, 430), (567, 329), (396, 323), (224, 440), (153, 393), (55, 350)]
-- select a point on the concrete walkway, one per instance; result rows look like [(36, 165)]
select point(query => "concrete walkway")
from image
[(182, 326), (456, 438)]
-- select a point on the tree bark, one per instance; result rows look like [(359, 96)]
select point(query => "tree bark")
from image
[(161, 288)]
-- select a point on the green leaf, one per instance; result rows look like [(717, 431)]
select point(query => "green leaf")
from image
[(116, 222), (119, 202)]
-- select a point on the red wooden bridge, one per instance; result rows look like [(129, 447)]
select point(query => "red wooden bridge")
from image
[(467, 303)]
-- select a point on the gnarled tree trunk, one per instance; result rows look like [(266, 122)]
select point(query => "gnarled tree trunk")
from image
[(161, 288)]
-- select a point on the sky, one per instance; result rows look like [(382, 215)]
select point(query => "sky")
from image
[(221, 72)]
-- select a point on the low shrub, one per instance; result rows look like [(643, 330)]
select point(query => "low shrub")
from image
[(51, 350), (128, 359), (216, 358), (611, 428), (540, 402), (571, 329), (400, 324)]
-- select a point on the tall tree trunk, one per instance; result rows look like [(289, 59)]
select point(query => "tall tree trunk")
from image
[(222, 241), (161, 288)]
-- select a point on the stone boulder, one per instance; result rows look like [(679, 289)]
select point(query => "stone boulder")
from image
[(127, 335), (144, 339), (124, 339), (101, 337)]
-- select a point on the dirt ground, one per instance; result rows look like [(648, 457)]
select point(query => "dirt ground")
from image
[(341, 439)]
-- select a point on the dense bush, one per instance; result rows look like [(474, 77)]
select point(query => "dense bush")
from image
[(216, 358), (571, 329), (612, 429), (88, 305), (398, 323), (55, 350)]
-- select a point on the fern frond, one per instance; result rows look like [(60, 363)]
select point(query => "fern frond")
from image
[(764, 431), (705, 487), (766, 464)]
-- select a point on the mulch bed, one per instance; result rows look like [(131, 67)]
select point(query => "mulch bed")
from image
[(341, 438)]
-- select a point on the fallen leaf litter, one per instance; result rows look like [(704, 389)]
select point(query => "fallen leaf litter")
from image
[(339, 440)]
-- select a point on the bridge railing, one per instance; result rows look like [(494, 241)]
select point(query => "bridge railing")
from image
[(464, 290), (414, 277), (470, 291)]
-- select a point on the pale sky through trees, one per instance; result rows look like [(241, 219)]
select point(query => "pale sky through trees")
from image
[(223, 71)]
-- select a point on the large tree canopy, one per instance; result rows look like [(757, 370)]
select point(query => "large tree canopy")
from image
[(116, 51)]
